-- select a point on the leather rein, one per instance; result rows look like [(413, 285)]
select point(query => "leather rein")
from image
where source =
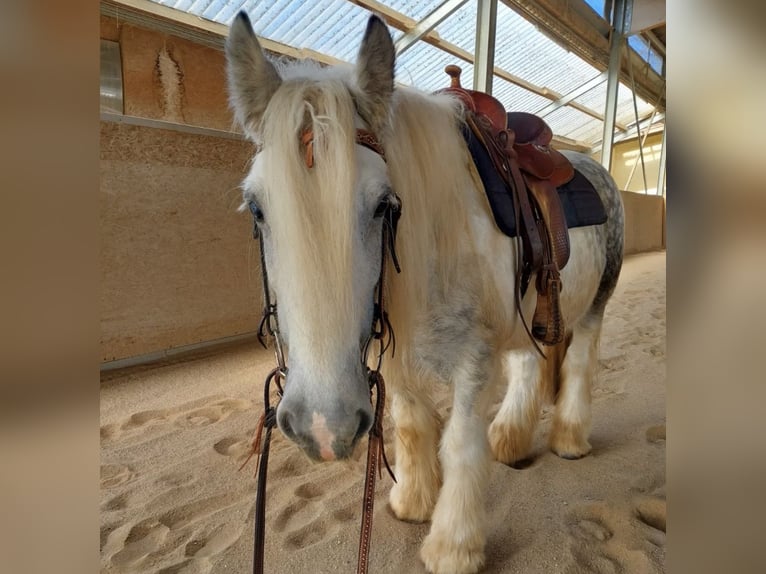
[(380, 332)]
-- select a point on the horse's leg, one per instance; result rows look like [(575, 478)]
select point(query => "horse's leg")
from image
[(571, 422), (455, 544), (417, 467), (511, 432)]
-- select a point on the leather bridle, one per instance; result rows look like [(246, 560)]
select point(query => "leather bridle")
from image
[(380, 331)]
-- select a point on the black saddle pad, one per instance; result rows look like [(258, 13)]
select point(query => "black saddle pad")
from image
[(581, 203)]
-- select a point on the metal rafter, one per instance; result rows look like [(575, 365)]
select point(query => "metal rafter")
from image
[(576, 93), (436, 17), (632, 130), (663, 163), (405, 23), (184, 25)]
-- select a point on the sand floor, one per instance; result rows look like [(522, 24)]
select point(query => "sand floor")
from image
[(173, 436)]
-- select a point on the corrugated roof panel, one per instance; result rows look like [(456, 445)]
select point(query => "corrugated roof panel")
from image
[(524, 51), (460, 28), (415, 9), (335, 28), (423, 66), (516, 98), (589, 132), (565, 121)]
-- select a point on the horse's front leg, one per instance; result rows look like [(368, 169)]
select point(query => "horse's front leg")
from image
[(418, 477), (456, 541)]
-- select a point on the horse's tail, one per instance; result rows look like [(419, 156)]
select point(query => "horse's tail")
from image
[(551, 378)]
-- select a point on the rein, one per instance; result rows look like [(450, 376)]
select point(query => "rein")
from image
[(380, 331)]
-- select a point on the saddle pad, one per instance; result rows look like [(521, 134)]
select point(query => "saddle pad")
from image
[(581, 203)]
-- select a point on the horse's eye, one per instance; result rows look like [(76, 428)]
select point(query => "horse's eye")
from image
[(384, 204), (256, 211)]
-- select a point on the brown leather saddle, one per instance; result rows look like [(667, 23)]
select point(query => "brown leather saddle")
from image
[(519, 146)]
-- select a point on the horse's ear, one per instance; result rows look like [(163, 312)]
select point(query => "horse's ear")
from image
[(252, 78), (375, 73)]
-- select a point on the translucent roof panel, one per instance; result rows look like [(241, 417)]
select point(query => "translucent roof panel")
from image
[(566, 120), (524, 51), (515, 98), (415, 9), (460, 28), (423, 66), (335, 28)]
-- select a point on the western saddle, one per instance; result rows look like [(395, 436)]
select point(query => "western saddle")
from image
[(519, 146)]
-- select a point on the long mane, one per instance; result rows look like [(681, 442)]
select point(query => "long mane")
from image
[(317, 196), (428, 168)]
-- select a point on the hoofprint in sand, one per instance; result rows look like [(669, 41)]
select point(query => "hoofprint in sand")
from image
[(173, 502)]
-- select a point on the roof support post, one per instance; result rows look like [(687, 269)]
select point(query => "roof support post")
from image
[(436, 17), (663, 162), (621, 18), (486, 26)]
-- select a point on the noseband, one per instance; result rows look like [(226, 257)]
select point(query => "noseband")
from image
[(380, 331)]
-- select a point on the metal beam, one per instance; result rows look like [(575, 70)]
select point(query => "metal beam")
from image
[(663, 162), (642, 143), (576, 93), (439, 14), (621, 17), (638, 120), (632, 131), (486, 26), (655, 42), (401, 22)]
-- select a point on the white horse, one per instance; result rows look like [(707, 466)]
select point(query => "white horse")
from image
[(452, 306)]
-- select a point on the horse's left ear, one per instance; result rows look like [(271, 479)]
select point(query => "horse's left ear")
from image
[(375, 73)]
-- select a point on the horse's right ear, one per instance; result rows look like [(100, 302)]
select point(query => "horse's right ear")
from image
[(252, 78), (375, 73)]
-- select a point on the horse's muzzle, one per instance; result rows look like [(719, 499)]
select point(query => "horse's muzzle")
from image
[(323, 437)]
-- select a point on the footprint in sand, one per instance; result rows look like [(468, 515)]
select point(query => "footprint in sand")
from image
[(607, 539), (174, 480), (302, 509), (113, 475), (233, 446), (142, 540), (213, 413), (307, 520), (653, 512), (191, 415), (614, 364), (119, 502), (199, 510)]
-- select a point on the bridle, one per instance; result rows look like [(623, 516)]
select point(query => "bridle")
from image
[(380, 332)]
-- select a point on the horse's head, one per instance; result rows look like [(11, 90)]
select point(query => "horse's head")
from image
[(319, 200)]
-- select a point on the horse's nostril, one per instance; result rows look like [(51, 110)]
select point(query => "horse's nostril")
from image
[(365, 422), (285, 423)]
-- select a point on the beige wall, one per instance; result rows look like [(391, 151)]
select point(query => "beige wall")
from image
[(626, 156), (644, 222), (178, 262)]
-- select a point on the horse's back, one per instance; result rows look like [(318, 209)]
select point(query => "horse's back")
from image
[(609, 235)]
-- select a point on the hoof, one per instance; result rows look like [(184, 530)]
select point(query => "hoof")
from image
[(510, 444), (408, 506), (443, 555), (569, 441)]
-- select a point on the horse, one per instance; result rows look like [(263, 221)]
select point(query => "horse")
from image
[(319, 204)]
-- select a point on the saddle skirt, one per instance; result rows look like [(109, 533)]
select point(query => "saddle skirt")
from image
[(581, 203)]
